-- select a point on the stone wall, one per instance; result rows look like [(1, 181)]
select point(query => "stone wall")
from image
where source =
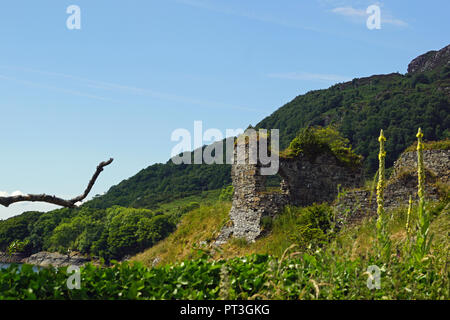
[(353, 205), (251, 202), (436, 161), (317, 180)]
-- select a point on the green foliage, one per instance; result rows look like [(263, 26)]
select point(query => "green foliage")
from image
[(266, 222), (318, 275), (313, 141), (189, 207), (227, 193), (110, 234), (423, 240), (431, 145), (132, 230), (16, 228), (18, 246), (419, 78), (239, 242), (310, 226), (163, 183)]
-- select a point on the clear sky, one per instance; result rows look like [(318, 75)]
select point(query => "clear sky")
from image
[(139, 69)]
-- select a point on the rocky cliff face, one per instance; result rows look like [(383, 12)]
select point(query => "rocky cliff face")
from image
[(430, 60)]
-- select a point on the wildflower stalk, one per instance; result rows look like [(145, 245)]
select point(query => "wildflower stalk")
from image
[(382, 235), (423, 239), (408, 218), (420, 166), (381, 182)]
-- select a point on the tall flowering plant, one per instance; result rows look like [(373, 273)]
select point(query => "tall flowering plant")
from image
[(382, 234), (423, 238)]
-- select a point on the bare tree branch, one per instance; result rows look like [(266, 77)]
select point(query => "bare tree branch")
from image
[(6, 201)]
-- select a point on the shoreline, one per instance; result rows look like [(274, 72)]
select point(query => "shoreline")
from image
[(45, 259)]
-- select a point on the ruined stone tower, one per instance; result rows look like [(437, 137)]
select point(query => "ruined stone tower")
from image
[(304, 180)]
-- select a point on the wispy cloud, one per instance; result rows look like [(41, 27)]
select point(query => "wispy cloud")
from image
[(393, 21), (360, 15), (309, 76), (126, 89), (349, 12)]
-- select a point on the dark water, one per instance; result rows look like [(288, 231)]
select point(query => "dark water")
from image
[(6, 265)]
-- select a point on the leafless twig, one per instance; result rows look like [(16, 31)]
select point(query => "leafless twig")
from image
[(6, 201)]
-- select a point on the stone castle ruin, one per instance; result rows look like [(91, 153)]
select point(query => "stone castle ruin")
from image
[(306, 180), (356, 204)]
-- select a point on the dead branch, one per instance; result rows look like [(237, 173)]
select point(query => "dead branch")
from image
[(6, 201)]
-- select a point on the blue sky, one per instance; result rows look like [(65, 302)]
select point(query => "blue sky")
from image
[(139, 69)]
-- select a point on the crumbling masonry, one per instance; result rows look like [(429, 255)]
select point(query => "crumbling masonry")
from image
[(304, 181)]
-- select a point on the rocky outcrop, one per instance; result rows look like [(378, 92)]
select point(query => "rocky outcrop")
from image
[(430, 60), (14, 258), (46, 259)]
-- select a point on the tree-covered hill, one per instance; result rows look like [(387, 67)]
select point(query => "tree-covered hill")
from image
[(397, 103), (162, 183), (359, 108)]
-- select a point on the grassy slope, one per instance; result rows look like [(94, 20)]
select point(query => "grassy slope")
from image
[(202, 224), (199, 227)]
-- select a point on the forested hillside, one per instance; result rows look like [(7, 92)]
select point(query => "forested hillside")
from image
[(162, 183), (397, 103)]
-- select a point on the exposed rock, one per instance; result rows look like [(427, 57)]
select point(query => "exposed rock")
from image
[(430, 60), (156, 261), (14, 258), (46, 259)]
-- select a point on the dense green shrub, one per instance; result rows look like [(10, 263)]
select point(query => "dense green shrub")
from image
[(311, 226), (312, 141)]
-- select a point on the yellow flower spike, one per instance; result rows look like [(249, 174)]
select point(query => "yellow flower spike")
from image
[(419, 134), (381, 181)]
